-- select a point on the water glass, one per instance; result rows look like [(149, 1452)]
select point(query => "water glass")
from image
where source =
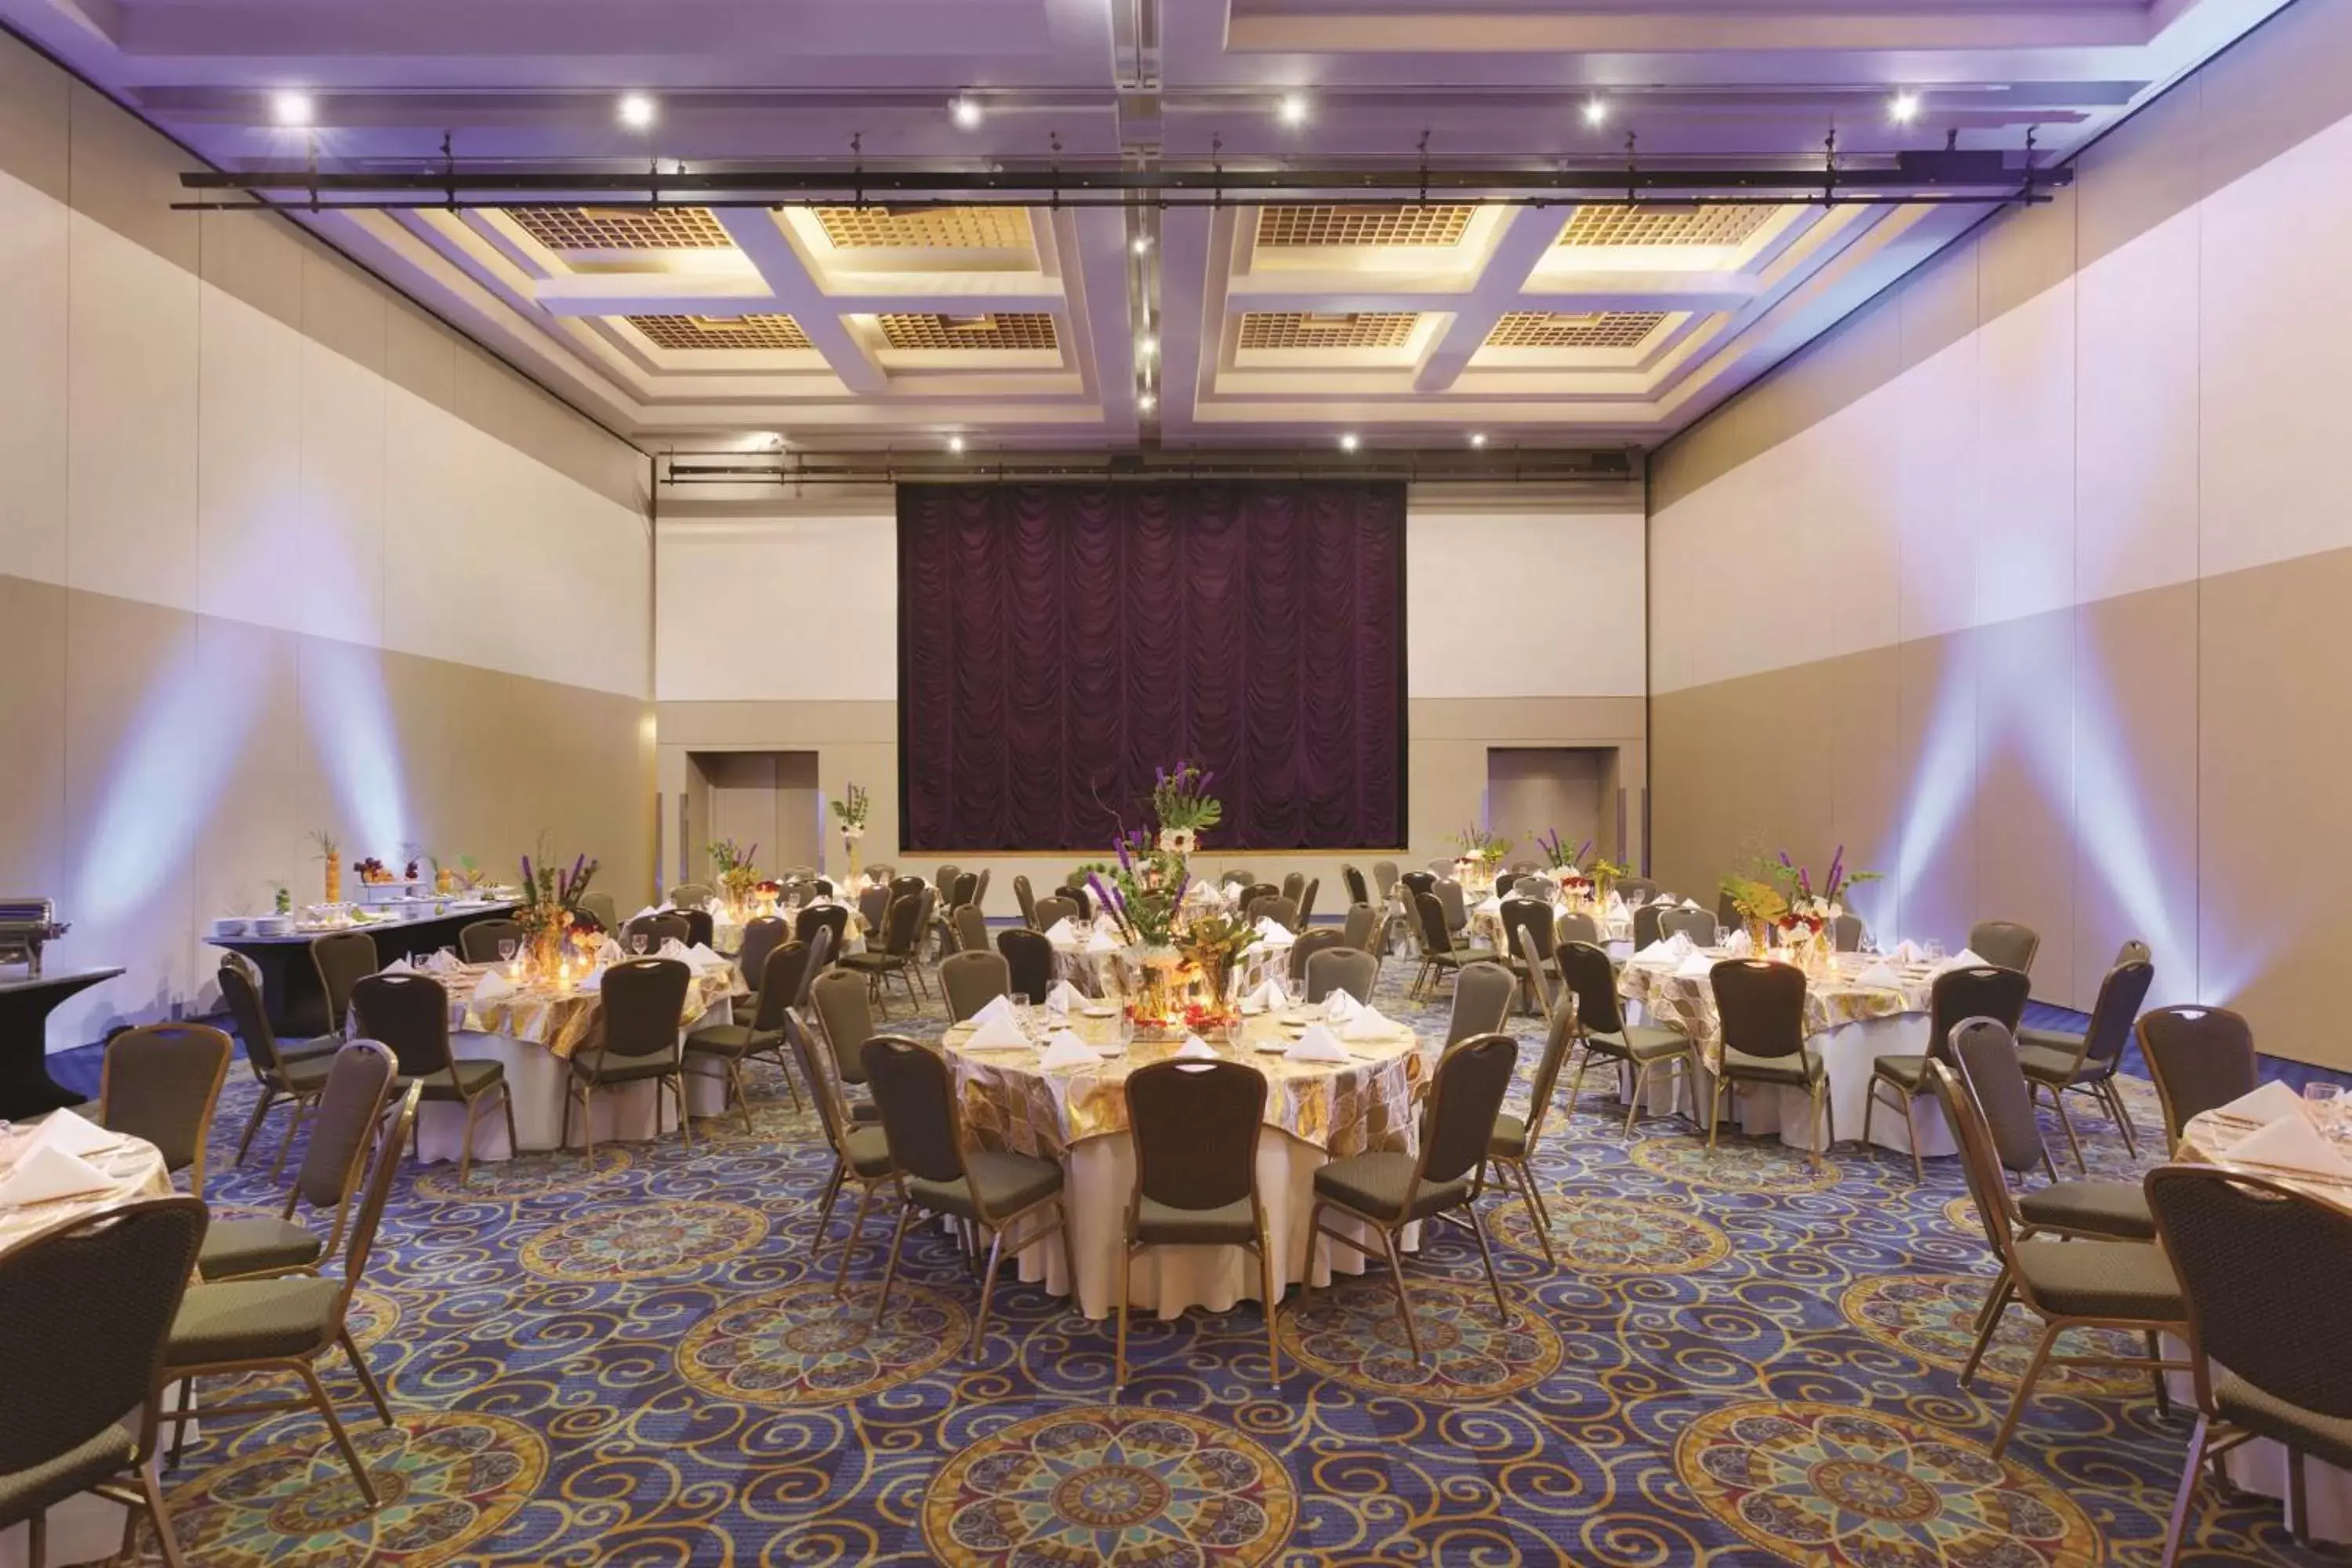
[(2326, 1101), (506, 949), (1935, 950), (637, 941)]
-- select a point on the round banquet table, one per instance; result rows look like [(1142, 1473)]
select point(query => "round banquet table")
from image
[(2259, 1465), (1851, 1026), (84, 1528), (1315, 1112)]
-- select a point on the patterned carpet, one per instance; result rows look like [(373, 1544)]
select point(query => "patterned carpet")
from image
[(1750, 1361)]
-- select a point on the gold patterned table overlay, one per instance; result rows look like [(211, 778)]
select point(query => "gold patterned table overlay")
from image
[(2210, 1134), (1832, 1000), (1364, 1103), (134, 1166), (565, 1022)]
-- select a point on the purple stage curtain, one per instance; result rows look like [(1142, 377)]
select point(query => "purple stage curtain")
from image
[(1058, 643)]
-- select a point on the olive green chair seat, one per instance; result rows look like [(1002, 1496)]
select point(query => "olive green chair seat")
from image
[(2107, 1279), (23, 1494), (1162, 1225), (2104, 1208), (734, 1041), (618, 1070), (869, 1151), (1510, 1140), (1638, 1043), (2049, 1057), (1001, 1182), (1802, 1070), (1908, 1073), (256, 1320), (1376, 1184), (261, 1246), (2325, 1438), (461, 1080)]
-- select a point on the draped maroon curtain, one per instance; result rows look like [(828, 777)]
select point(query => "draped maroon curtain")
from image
[(1058, 643)]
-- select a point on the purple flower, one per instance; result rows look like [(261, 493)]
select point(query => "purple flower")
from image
[(527, 883), (1582, 850)]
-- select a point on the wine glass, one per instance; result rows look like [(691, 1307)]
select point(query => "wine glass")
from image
[(508, 947), (1935, 950), (2326, 1101), (637, 941)]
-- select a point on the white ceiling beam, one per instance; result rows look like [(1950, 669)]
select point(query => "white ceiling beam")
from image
[(102, 20), (1628, 292), (799, 295), (1518, 250)]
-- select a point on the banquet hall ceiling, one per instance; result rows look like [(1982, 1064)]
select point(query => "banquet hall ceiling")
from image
[(846, 323)]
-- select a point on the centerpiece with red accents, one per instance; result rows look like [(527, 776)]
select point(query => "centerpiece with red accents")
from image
[(1179, 952)]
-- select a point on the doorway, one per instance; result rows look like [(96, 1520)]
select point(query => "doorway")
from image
[(767, 798), (1534, 790)]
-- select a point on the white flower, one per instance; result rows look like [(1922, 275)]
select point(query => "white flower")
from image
[(852, 831), (1177, 840)]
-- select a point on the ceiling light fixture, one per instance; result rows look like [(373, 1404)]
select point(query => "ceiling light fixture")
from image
[(1147, 345), (1902, 108), (636, 112), (291, 108), (1294, 109), (955, 445), (1142, 245), (965, 112), (1347, 442), (1596, 111), (1145, 402), (1477, 437)]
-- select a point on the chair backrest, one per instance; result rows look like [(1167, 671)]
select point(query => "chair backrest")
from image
[(880, 871), (1846, 933), (1306, 902), (1053, 911), (2005, 942), (972, 979), (1338, 967), (1561, 1031), (1534, 917), (388, 1151), (1646, 919), (1195, 1126), (252, 1019), (1726, 912), (2257, 1261), (873, 906), (1985, 1051), (2199, 1057), (86, 1310), (840, 999), (971, 929), (1024, 895), (833, 918), (1540, 977), (1482, 1001), (819, 955), (760, 937), (917, 1104), (701, 928), (1384, 877), (478, 942), (409, 1013), (2121, 995), (1696, 924), (162, 1082), (644, 1005), (1760, 1006), (342, 959), (1028, 961), (1449, 899), (1309, 944), (1980, 1162), (904, 928), (1419, 882), (598, 906), (342, 1131), (1076, 896), (1359, 891), (1576, 926), (1634, 891), (901, 886), (1464, 1094), (657, 930), (1980, 991), (2135, 951), (978, 899), (1436, 936), (966, 890), (784, 980), (1585, 969), (1281, 911), (690, 894), (1294, 886), (944, 877), (1356, 929)]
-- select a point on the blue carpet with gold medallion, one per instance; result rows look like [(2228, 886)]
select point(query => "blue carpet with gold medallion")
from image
[(1748, 1359)]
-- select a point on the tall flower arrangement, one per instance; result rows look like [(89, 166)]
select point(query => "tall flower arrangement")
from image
[(851, 811), (551, 910), (738, 872), (1811, 908), (1184, 808)]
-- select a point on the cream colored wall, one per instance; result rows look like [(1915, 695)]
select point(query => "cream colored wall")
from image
[(2027, 584), (280, 553)]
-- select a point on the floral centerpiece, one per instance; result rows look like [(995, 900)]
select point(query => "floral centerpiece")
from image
[(1482, 852), (549, 911), (1759, 899), (737, 875), (1811, 908), (1174, 945), (1184, 807), (1212, 942), (851, 811)]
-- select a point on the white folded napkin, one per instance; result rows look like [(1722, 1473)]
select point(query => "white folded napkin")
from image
[(1061, 933), (1690, 903), (398, 966), (1879, 977), (609, 951), (997, 1007), (46, 1173), (1737, 945), (1696, 966), (1662, 951), (2291, 1142), (1102, 940), (673, 948), (644, 914), (1318, 1044), (1907, 952), (592, 980), (1966, 958), (1664, 901), (996, 1035), (72, 1134), (492, 987), (1063, 997), (1066, 1052), (1339, 1006), (2266, 1103), (1368, 1024), (1268, 996), (439, 961), (1196, 1049), (702, 958), (1616, 905)]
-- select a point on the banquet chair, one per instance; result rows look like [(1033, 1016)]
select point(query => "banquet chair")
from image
[(1635, 891), (1540, 977), (1984, 1053), (895, 956), (242, 1326), (1759, 1006), (940, 1172), (1602, 1032), (1195, 1125), (701, 929), (874, 905), (1023, 896), (2135, 951), (1053, 911), (644, 1005), (972, 979), (1419, 882), (1306, 902), (2264, 1270), (861, 1154), (1483, 991), (1438, 954), (1980, 991), (1309, 944), (978, 899), (1076, 896), (1703, 929), (410, 1013), (971, 929), (840, 1001), (1336, 966), (1384, 881), (760, 937), (1255, 894), (478, 942), (830, 917), (86, 1308), (1514, 1138), (1294, 886), (2201, 1058), (689, 895), (1281, 911), (1387, 1190), (2058, 1060), (1726, 912), (598, 906), (819, 955), (297, 1081), (163, 1082), (927, 923), (342, 959), (2005, 942), (822, 886), (2069, 1284), (1356, 929), (1535, 918), (1359, 891), (1576, 926), (1443, 865), (1029, 962), (905, 883), (1846, 933), (657, 930), (1449, 898), (944, 908), (1645, 924), (358, 1083), (943, 879), (782, 978)]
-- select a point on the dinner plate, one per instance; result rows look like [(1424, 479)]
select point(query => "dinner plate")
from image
[(1099, 1011), (1270, 1047)]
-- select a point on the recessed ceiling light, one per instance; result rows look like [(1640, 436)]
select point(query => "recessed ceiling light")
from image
[(1294, 109), (1347, 442), (965, 112), (955, 445), (291, 108), (1145, 402), (1596, 112), (1147, 345), (1902, 108), (1142, 244), (636, 112), (1477, 437)]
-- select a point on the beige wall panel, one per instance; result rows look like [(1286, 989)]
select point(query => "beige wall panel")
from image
[(2024, 533), (1939, 489), (2136, 817), (342, 308), (332, 572), (2025, 788), (2274, 843), (2280, 84), (1865, 782), (127, 176), (34, 100), (35, 394), (2136, 474), (1936, 889), (2140, 174), (2026, 252), (33, 819), (250, 417), (257, 257), (1938, 303), (420, 353)]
